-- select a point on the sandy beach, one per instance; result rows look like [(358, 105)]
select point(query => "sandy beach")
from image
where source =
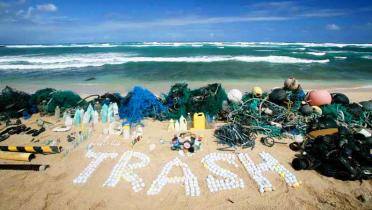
[(103, 91), (54, 188)]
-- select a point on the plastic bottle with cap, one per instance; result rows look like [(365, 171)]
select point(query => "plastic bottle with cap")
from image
[(183, 124), (189, 121), (126, 131), (57, 113)]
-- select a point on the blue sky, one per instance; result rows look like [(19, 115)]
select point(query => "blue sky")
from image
[(76, 21)]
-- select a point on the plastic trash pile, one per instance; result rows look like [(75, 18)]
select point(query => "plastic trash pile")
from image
[(287, 112), (335, 150), (181, 100), (187, 142), (140, 103)]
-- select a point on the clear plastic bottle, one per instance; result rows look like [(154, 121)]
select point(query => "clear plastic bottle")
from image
[(57, 113), (189, 121)]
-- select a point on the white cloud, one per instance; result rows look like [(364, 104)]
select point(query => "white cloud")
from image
[(46, 7), (29, 12), (324, 13), (333, 27)]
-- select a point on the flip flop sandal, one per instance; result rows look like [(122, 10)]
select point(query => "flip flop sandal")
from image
[(4, 137), (6, 130), (38, 132), (31, 131), (15, 130), (70, 138), (27, 129), (20, 129)]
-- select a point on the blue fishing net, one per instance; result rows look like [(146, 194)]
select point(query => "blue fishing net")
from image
[(140, 103)]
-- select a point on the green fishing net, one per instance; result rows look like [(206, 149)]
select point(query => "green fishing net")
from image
[(207, 99), (42, 95), (63, 99), (338, 112), (177, 100), (12, 101), (181, 100)]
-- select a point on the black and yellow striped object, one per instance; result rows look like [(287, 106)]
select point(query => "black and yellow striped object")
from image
[(32, 149)]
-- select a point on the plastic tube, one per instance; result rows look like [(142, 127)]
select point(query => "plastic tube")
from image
[(16, 156), (33, 149), (25, 167)]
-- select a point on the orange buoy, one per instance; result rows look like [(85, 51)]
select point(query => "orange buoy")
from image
[(318, 97)]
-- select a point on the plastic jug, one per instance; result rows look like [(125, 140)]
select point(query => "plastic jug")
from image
[(199, 120)]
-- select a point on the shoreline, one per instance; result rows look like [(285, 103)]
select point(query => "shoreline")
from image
[(84, 88)]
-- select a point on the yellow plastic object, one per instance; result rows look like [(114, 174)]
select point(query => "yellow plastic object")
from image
[(257, 91), (199, 120), (16, 156), (32, 149), (317, 109), (323, 132)]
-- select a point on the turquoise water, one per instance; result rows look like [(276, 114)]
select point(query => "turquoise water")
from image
[(197, 61)]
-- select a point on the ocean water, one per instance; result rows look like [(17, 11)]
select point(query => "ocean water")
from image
[(115, 63)]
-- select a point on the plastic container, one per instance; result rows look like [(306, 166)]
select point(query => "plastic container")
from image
[(199, 121), (189, 121), (183, 124)]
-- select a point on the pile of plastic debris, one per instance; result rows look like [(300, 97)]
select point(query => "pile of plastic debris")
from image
[(260, 116), (13, 102), (140, 103), (335, 150), (64, 99), (181, 100), (187, 142), (287, 112), (177, 100)]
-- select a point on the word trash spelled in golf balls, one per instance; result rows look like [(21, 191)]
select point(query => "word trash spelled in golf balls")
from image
[(189, 179), (124, 169), (219, 179), (270, 164), (230, 181), (98, 158)]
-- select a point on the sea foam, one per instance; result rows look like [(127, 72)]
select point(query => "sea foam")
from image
[(316, 53), (100, 59)]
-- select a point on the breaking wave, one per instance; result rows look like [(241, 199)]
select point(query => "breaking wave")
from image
[(369, 57), (316, 53), (100, 59)]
